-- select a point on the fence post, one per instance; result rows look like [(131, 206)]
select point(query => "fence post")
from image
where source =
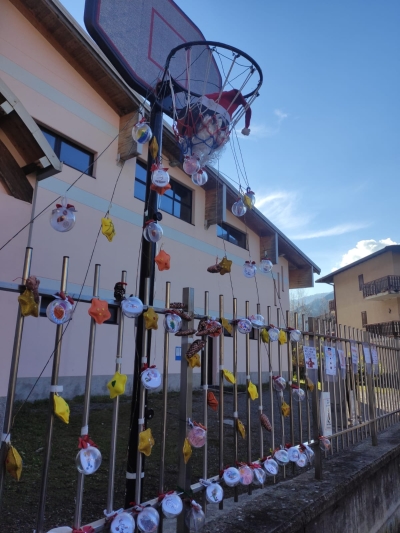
[(371, 399), (315, 410)]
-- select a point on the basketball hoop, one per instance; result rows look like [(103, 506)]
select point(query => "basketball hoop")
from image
[(213, 86)]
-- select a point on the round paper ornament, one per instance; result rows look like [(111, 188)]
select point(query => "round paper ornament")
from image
[(281, 457), (195, 518), (310, 453), (279, 383), (213, 328), (249, 269), (132, 307), (273, 334), (298, 394), (294, 454), (214, 493), (200, 178), (246, 475), (259, 476), (172, 323), (63, 217), (265, 266), (249, 198), (151, 378), (231, 476), (142, 133), (197, 436), (88, 460), (172, 506), (295, 335), (59, 311), (302, 461), (123, 523), (238, 208), (153, 232), (257, 321), (271, 467), (148, 520), (191, 165), (244, 326), (324, 444), (160, 177)]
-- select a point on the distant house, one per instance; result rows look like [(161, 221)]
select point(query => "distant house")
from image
[(367, 292)]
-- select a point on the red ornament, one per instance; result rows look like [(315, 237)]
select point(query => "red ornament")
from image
[(99, 311), (163, 260)]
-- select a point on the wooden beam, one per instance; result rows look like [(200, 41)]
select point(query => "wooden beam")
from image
[(127, 147), (13, 177), (301, 278), (269, 244), (215, 207)]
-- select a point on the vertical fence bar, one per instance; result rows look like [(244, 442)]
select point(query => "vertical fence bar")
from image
[(371, 398), (50, 419), (86, 400), (235, 394), (115, 411), (185, 407), (204, 373), (260, 384), (315, 408), (290, 379), (299, 404), (278, 323), (12, 380), (221, 395), (248, 399), (303, 329), (271, 388)]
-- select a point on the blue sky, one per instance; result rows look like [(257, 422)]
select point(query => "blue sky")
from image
[(324, 153)]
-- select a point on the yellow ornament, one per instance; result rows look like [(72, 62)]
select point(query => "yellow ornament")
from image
[(116, 385), (264, 335), (27, 304), (146, 442), (187, 451), (225, 265), (310, 384), (229, 376), (241, 429), (107, 228), (285, 409), (153, 147), (282, 338), (61, 408), (14, 463), (252, 391), (227, 325), (150, 319), (194, 360)]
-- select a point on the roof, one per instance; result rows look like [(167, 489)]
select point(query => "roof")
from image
[(395, 248)]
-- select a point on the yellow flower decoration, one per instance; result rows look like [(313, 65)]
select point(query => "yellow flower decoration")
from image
[(27, 304), (194, 361), (227, 325), (264, 335), (116, 385), (107, 228), (146, 442), (247, 201), (150, 319), (252, 391), (61, 408), (153, 147), (225, 265), (310, 384), (229, 376), (241, 429), (187, 451), (282, 337), (14, 463), (285, 409)]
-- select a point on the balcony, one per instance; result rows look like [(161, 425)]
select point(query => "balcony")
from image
[(332, 306), (382, 289), (388, 329)]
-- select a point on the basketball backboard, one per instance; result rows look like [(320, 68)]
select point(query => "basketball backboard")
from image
[(137, 35)]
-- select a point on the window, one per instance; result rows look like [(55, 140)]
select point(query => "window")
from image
[(364, 320), (231, 234), (361, 282), (177, 201), (69, 153)]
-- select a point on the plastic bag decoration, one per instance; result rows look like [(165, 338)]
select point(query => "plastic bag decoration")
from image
[(151, 378), (197, 435), (257, 321), (281, 457), (148, 520), (271, 467), (295, 335), (273, 333), (132, 307), (265, 266), (141, 132), (200, 177), (246, 475), (172, 323), (214, 493), (88, 460), (249, 269), (324, 444), (279, 383), (63, 217), (123, 523), (191, 164), (259, 474), (172, 506), (231, 476), (238, 208), (195, 518), (294, 454), (159, 176), (244, 326), (298, 394), (60, 310), (153, 231)]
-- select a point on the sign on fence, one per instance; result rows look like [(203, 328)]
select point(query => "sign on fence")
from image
[(326, 414)]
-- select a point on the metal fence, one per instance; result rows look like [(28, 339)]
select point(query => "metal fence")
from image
[(357, 401)]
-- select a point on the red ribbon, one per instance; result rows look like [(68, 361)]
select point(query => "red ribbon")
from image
[(85, 442), (63, 296), (68, 206), (250, 262), (84, 529), (254, 465), (199, 425), (155, 166), (295, 386), (162, 496), (146, 366)]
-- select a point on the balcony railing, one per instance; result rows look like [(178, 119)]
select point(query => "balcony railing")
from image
[(387, 284), (388, 329), (332, 306)]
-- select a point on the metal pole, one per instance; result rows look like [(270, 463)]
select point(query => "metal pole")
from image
[(115, 412), (260, 386), (221, 395), (248, 399), (315, 410), (12, 381), (278, 324), (146, 272), (204, 376), (235, 396), (86, 401), (296, 351), (50, 419)]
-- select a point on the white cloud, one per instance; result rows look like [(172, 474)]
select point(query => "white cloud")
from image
[(280, 114), (283, 209), (329, 232), (364, 248), (262, 131)]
